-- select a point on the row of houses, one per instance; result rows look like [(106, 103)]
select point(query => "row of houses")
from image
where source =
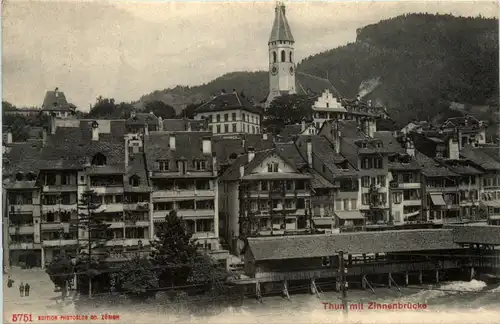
[(344, 176)]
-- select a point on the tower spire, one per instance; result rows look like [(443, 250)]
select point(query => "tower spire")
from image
[(281, 30)]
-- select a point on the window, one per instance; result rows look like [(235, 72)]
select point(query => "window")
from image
[(99, 159), (365, 198), (163, 165), (134, 181), (226, 117), (381, 181), (210, 129), (200, 165), (274, 57), (365, 182), (346, 204), (218, 118), (233, 116), (234, 128), (396, 198), (218, 129), (226, 128), (327, 105), (243, 117), (272, 167), (291, 57), (283, 56)]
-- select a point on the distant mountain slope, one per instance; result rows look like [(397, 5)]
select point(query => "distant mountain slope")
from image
[(414, 64)]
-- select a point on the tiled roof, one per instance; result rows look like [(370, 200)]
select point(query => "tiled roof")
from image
[(461, 167), (233, 172), (235, 145), (307, 84), (22, 157), (480, 156), (486, 234), (411, 164), (35, 133), (281, 30), (290, 132), (73, 148), (389, 142), (318, 181), (228, 101), (142, 119), (188, 145), (432, 168), (313, 246), (290, 153), (55, 100), (176, 125)]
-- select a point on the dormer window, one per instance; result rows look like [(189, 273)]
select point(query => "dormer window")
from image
[(200, 165), (378, 144), (363, 145), (163, 165), (31, 176), (19, 176), (99, 159), (135, 181), (272, 167)]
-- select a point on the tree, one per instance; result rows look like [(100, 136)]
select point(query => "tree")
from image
[(108, 109), (188, 112), (90, 220), (207, 272), (173, 251), (160, 109), (288, 110), (61, 271), (136, 278)]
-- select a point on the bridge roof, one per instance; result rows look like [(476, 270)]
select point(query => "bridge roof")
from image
[(476, 234), (313, 246)]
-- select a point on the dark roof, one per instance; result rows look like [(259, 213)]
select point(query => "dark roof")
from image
[(73, 148), (176, 125), (314, 246), (188, 145), (481, 157), (137, 167), (35, 133), (485, 234), (307, 84), (281, 30), (290, 132), (389, 142), (142, 119), (227, 145), (290, 153), (431, 167), (228, 101), (462, 167), (22, 157), (55, 100)]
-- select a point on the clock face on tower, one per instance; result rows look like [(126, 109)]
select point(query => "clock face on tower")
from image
[(292, 71), (274, 70)]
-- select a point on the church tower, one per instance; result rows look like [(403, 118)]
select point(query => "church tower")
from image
[(281, 56)]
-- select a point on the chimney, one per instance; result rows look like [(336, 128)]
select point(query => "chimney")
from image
[(95, 131), (53, 123), (410, 148), (146, 129), (303, 126), (160, 124), (214, 163), (234, 91), (188, 125), (243, 142), (264, 136), (242, 171), (251, 154), (453, 151), (172, 142), (56, 92), (126, 150), (207, 145), (9, 137), (337, 142), (44, 137), (309, 153)]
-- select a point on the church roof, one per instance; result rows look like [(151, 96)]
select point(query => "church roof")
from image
[(281, 30), (313, 85)]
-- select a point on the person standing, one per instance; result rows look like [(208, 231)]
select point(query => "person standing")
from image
[(26, 290), (21, 289)]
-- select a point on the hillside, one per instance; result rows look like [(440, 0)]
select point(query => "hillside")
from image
[(414, 64)]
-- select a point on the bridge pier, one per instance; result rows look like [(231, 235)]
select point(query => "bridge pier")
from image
[(436, 274), (314, 289), (258, 293), (389, 280), (472, 273), (285, 289), (363, 282), (420, 278), (406, 278), (337, 284)]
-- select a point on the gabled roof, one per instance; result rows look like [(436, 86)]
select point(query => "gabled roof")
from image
[(226, 146), (432, 168), (228, 101), (141, 119), (290, 132), (307, 84), (480, 156), (22, 157), (56, 101), (281, 30), (176, 125), (462, 167), (188, 146)]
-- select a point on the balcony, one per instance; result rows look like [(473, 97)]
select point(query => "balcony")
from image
[(54, 226), (60, 188), (195, 212), (137, 206), (21, 230), (202, 235), (412, 202), (25, 208), (57, 243), (59, 207), (24, 246), (188, 193), (409, 185), (111, 208), (101, 190), (127, 242)]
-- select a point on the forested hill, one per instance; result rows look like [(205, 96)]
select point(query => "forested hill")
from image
[(416, 63)]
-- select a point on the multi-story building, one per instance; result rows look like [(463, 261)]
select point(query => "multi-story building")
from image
[(55, 104), (230, 113), (182, 169), (264, 194)]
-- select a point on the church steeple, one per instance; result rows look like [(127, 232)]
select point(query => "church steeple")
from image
[(281, 56), (281, 30)]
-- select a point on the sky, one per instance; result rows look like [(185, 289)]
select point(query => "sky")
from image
[(125, 49)]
